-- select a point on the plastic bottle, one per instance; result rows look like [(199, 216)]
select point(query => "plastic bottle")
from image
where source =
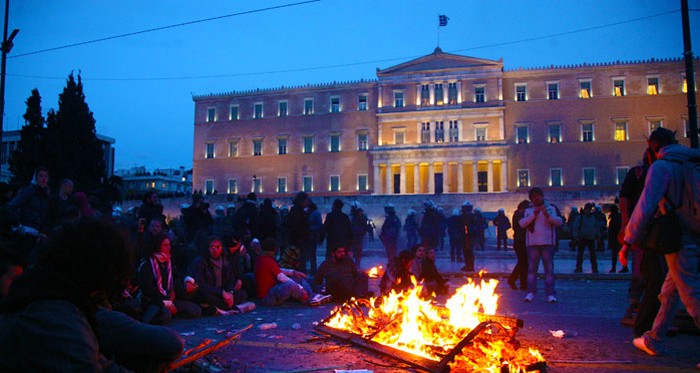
[(267, 326)]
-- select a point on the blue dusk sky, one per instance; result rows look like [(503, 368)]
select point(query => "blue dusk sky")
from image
[(140, 87)]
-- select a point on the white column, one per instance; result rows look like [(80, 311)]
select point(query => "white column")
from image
[(433, 127), (445, 90), (389, 179), (446, 177), (460, 177), (504, 175), (376, 182), (416, 178), (403, 178), (432, 94), (459, 92), (418, 88), (475, 176), (490, 176), (431, 178), (501, 128)]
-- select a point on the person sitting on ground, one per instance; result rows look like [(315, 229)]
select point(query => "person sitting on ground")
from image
[(398, 274), (156, 274), (48, 320), (276, 285), (341, 277), (290, 258), (418, 252), (432, 279), (218, 286)]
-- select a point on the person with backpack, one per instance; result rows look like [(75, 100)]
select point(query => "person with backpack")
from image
[(586, 233), (672, 187)]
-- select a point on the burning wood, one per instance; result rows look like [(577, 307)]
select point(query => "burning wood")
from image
[(375, 272), (464, 335)]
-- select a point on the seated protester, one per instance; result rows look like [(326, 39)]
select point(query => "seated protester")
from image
[(432, 279), (275, 285), (238, 255), (290, 257), (48, 320), (398, 274), (342, 279), (216, 279), (145, 239), (418, 251), (157, 292)]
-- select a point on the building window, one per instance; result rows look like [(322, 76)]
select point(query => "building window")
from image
[(362, 184), (480, 134), (425, 132), (211, 114), (398, 99), (479, 94), (620, 131), (584, 89), (282, 146), (654, 124), (618, 87), (522, 134), (521, 92), (209, 186), (587, 132), (334, 183), (362, 141), (335, 104), (234, 113), (308, 144), (454, 131), (439, 131), (209, 150), (621, 173), (452, 93), (653, 85), (425, 95), (281, 185), (232, 186), (258, 110), (233, 149), (282, 108), (257, 147), (439, 94), (399, 137), (555, 177), (308, 184), (308, 106), (554, 133), (553, 91), (334, 145), (523, 178), (362, 103), (589, 176), (257, 184), (684, 87)]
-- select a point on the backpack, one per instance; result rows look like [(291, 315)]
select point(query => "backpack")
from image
[(688, 210)]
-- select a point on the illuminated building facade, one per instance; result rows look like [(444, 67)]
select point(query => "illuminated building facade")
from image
[(442, 123)]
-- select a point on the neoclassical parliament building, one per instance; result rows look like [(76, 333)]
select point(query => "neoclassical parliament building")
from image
[(442, 123)]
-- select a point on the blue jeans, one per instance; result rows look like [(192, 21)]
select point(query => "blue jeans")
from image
[(534, 254), (283, 291), (682, 284)]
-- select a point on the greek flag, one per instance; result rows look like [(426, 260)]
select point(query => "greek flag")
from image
[(442, 20)]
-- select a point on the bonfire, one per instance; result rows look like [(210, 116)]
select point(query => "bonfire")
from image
[(465, 334)]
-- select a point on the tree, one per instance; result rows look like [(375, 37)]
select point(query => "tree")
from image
[(31, 150), (73, 148)]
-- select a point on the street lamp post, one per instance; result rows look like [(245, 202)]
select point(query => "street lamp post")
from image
[(6, 48)]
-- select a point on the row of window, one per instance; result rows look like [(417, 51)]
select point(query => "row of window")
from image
[(283, 108), (307, 146), (281, 186), (588, 177)]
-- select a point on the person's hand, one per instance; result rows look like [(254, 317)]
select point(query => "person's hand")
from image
[(238, 285), (228, 298), (622, 255), (170, 306), (190, 287)]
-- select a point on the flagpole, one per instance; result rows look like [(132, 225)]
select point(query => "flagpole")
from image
[(438, 32)]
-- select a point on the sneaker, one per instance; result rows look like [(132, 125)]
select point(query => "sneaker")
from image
[(646, 344), (551, 299), (319, 299), (529, 297)]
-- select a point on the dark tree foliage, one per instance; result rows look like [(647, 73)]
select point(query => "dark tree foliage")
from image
[(31, 150), (75, 152)]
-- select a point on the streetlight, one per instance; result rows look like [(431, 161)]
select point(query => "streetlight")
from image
[(6, 48)]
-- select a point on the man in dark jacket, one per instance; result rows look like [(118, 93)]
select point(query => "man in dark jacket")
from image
[(337, 230)]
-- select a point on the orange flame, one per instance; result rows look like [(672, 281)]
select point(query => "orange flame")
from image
[(408, 322), (375, 272)]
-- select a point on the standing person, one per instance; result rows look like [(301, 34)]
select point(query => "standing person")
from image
[(358, 221), (586, 232), (315, 228), (573, 216), (59, 204), (455, 230), (614, 223), (602, 234), (666, 186), (502, 225), (410, 226), (390, 231), (520, 248), (431, 225), (337, 229), (298, 223), (469, 229), (245, 222), (540, 221), (267, 222), (480, 224), (29, 210)]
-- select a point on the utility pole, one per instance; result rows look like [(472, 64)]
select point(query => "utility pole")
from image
[(6, 47), (689, 77)]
